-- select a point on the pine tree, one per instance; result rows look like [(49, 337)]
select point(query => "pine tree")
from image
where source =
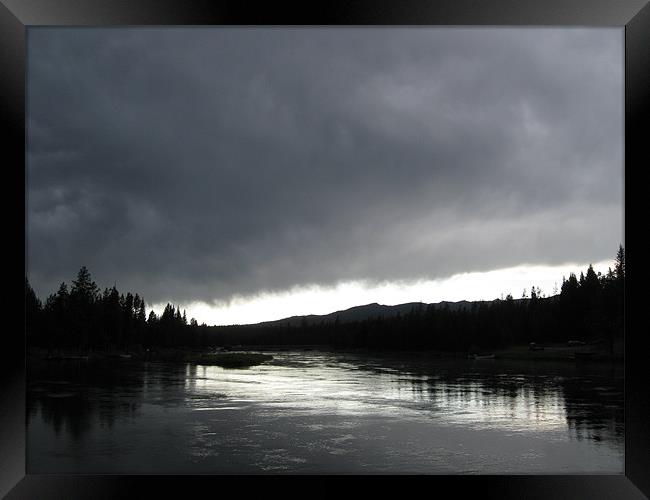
[(84, 288), (33, 309), (619, 268), (57, 311), (153, 318), (84, 294), (142, 313), (591, 282)]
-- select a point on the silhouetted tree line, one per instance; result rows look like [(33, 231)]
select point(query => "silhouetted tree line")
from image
[(83, 317), (587, 308)]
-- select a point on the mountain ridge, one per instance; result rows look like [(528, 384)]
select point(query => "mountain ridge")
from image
[(366, 311)]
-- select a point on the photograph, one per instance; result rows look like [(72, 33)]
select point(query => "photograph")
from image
[(325, 250)]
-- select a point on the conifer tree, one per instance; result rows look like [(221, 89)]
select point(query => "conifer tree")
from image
[(620, 263), (33, 309)]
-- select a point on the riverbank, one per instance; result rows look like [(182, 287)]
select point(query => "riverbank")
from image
[(223, 359), (228, 359), (241, 355), (560, 353)]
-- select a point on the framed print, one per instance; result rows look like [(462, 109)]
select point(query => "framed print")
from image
[(367, 238)]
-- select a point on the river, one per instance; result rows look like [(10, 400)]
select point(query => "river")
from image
[(326, 412)]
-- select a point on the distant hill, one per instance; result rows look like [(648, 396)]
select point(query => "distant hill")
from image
[(360, 313)]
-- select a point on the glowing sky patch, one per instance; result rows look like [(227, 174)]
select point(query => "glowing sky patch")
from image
[(323, 300)]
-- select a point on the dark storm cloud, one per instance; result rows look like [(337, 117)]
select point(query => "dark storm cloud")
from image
[(203, 163)]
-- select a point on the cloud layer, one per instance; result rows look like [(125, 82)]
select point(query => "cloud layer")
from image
[(200, 164)]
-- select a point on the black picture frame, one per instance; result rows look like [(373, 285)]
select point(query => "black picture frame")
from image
[(18, 15)]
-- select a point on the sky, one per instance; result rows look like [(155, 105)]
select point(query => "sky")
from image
[(249, 174)]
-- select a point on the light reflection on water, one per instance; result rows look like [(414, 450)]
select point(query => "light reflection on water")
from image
[(327, 412)]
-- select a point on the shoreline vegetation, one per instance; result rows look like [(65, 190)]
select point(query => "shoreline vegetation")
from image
[(239, 359), (242, 357), (583, 322), (228, 359)]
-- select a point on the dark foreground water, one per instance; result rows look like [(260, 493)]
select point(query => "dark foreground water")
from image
[(318, 412)]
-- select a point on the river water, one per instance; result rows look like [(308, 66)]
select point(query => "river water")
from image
[(324, 412)]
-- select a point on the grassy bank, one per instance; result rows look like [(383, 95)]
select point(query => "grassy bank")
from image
[(560, 352), (245, 356), (228, 359), (166, 355)]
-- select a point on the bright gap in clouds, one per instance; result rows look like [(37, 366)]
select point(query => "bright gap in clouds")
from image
[(324, 300)]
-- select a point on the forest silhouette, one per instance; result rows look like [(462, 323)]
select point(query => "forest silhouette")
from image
[(80, 317)]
